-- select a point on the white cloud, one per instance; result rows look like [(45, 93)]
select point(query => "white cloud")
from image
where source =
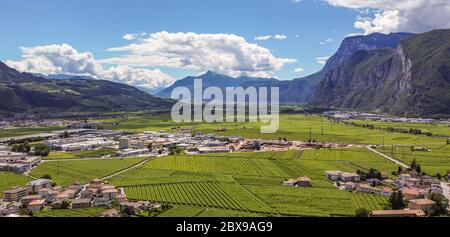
[(263, 37), (137, 76), (223, 53), (299, 70), (268, 37), (280, 37), (296, 1), (129, 37), (55, 59), (388, 16), (134, 36), (322, 60), (64, 59)]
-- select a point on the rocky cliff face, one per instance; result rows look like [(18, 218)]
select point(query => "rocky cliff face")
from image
[(410, 80)]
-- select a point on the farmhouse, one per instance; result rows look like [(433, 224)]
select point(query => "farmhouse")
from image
[(81, 203), (300, 182), (410, 194), (27, 199), (333, 175), (365, 188), (36, 205), (421, 204), (349, 177)]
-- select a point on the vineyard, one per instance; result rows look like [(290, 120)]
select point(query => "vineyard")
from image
[(203, 194), (82, 212), (369, 201), (437, 160), (232, 166)]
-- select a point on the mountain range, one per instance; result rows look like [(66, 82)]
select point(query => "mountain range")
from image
[(25, 92)]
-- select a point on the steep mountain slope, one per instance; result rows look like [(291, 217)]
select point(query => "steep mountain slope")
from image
[(411, 80), (302, 90), (24, 92)]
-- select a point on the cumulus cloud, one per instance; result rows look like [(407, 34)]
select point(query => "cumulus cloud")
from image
[(299, 70), (280, 37), (140, 77), (388, 16), (54, 59), (223, 53), (322, 60), (64, 59)]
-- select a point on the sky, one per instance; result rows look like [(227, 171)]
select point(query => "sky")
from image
[(152, 43)]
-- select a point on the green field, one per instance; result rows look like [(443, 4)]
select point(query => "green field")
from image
[(433, 162), (237, 185), (66, 172), (9, 180), (80, 154), (15, 132), (82, 212), (292, 127), (435, 129)]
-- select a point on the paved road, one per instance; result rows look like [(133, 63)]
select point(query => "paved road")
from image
[(389, 158)]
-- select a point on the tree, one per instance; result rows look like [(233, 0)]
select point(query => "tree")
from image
[(399, 170), (396, 200), (46, 176), (441, 206), (361, 212)]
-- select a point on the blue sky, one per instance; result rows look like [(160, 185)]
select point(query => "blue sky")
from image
[(96, 26)]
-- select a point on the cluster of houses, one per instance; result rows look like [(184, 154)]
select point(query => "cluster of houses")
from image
[(416, 190), (41, 193)]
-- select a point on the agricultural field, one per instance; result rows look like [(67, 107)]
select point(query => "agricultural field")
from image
[(292, 127), (82, 212), (210, 185), (15, 132), (66, 172), (369, 201), (204, 194), (437, 129), (360, 158), (9, 180), (80, 154), (435, 161)]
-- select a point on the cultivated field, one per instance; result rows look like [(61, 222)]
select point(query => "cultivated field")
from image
[(66, 172), (241, 186), (82, 212), (435, 161)]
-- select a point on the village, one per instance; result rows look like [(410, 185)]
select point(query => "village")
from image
[(42, 194), (414, 190)]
